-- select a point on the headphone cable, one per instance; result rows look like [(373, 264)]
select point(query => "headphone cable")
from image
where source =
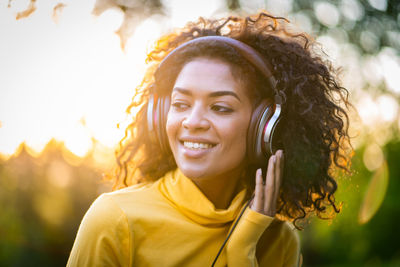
[(231, 231)]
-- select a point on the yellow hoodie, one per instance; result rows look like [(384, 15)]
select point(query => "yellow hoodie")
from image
[(171, 223)]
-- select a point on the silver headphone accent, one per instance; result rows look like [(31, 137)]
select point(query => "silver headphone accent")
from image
[(270, 128), (150, 114)]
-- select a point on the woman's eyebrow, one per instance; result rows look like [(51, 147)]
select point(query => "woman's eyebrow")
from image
[(213, 94)]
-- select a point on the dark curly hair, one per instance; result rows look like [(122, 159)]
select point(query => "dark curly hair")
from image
[(315, 136)]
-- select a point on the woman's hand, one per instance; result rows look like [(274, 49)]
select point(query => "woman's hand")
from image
[(266, 195)]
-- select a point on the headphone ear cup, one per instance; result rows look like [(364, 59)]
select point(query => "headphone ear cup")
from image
[(162, 110), (255, 151), (153, 118), (262, 135), (157, 112)]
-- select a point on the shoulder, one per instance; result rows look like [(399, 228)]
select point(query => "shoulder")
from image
[(133, 192), (286, 230), (283, 234), (280, 241), (103, 213), (103, 236), (110, 208), (136, 196)]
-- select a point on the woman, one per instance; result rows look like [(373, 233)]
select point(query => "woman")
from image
[(238, 130)]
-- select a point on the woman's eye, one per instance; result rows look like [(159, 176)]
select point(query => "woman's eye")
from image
[(179, 105), (221, 109)]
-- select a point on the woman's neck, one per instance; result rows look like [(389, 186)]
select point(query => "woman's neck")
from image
[(219, 190)]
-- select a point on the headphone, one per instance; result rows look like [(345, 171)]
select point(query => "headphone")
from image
[(262, 134)]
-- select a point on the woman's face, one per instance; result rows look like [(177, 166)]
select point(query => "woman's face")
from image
[(208, 120)]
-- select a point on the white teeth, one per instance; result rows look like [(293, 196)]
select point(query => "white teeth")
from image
[(197, 145)]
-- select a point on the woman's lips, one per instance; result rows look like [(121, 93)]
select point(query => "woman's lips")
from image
[(192, 149)]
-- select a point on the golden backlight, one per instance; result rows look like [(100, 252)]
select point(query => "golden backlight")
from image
[(61, 66)]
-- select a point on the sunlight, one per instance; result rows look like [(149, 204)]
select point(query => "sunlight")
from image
[(368, 110), (371, 70), (326, 13), (378, 113), (390, 62), (59, 174), (279, 7), (182, 11), (8, 148), (330, 47), (349, 60), (373, 157), (56, 73), (352, 9), (77, 140), (388, 108), (301, 21), (378, 4), (375, 194)]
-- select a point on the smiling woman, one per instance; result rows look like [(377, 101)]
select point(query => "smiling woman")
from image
[(238, 132)]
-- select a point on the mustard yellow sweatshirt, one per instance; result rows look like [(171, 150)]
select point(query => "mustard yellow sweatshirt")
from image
[(171, 223)]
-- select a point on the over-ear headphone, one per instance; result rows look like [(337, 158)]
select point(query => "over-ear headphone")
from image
[(262, 138)]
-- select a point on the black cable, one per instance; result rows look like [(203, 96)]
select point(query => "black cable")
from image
[(230, 232)]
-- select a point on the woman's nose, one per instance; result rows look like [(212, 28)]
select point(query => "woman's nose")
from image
[(196, 119)]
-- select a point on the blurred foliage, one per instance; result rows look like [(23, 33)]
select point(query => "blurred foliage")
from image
[(42, 200), (344, 241)]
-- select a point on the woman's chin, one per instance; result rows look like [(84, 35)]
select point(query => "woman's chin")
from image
[(192, 173)]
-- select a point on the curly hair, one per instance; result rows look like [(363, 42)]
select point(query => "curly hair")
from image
[(315, 136)]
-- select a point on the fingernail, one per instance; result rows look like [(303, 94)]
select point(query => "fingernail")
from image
[(258, 172), (274, 159)]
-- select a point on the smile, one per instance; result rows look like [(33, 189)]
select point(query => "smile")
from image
[(193, 145)]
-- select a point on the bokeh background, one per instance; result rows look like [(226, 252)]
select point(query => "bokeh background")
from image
[(68, 70)]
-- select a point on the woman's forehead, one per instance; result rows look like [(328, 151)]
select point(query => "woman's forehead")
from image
[(213, 74)]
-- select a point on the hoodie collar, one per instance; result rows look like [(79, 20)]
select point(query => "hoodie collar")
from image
[(190, 201)]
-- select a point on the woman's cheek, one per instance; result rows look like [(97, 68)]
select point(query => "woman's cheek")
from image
[(172, 126)]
